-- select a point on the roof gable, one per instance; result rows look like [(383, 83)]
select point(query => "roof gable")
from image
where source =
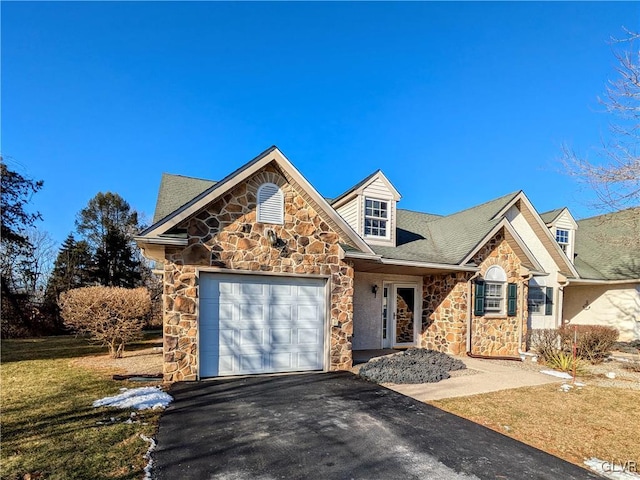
[(175, 191), (359, 188), (216, 190)]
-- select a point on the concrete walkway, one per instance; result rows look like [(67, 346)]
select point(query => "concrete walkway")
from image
[(491, 377)]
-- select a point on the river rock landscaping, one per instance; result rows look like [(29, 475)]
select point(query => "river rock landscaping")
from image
[(415, 365)]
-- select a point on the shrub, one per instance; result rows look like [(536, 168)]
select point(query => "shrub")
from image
[(545, 341), (564, 362), (595, 342), (113, 316)]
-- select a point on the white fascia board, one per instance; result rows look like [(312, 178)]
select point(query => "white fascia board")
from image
[(329, 210), (160, 240), (381, 176), (586, 281), (523, 197), (241, 174), (415, 263), (504, 223)]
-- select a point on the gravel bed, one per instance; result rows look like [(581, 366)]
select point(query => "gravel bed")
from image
[(597, 373), (415, 365)]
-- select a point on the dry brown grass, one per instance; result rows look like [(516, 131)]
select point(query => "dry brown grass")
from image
[(583, 423)]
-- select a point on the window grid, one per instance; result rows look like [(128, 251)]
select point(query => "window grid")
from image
[(562, 237), (537, 300), (376, 214), (494, 297)]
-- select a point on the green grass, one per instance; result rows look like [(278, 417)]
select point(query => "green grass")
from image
[(48, 424)]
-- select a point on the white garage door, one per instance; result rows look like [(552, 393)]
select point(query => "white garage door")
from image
[(260, 324)]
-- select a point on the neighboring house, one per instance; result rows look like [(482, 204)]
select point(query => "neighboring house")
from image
[(262, 274)]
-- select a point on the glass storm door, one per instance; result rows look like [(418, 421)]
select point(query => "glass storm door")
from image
[(387, 317), (404, 313)]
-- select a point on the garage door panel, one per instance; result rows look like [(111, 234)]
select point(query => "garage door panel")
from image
[(251, 337), (308, 336), (281, 336), (254, 324)]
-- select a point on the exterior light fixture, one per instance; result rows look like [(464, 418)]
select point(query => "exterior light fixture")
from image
[(374, 290), (271, 237)]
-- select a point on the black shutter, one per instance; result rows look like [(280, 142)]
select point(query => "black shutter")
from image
[(548, 304), (512, 299), (479, 299)]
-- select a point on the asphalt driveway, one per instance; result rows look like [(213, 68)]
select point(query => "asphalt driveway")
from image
[(331, 426)]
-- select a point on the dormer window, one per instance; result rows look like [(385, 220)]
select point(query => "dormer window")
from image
[(270, 204), (562, 237), (376, 218)]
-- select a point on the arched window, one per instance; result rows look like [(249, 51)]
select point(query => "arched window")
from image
[(270, 204), (495, 281)]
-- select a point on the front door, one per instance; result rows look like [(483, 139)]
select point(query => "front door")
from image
[(399, 315)]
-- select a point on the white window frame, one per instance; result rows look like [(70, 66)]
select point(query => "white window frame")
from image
[(537, 305), (564, 245), (275, 202), (377, 218), (495, 290)]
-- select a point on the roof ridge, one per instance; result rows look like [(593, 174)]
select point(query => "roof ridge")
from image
[(617, 212), (511, 195), (188, 177)]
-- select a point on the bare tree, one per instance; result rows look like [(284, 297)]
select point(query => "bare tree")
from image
[(613, 170), (113, 316)]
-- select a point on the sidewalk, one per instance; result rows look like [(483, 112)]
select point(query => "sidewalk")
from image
[(491, 377)]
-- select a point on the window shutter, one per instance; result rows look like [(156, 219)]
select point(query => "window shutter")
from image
[(270, 204), (479, 299), (512, 299), (548, 304)]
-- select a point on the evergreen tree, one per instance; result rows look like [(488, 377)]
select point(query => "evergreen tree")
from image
[(73, 268), (108, 224)]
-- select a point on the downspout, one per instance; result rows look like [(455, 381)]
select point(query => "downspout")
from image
[(522, 300), (559, 304)]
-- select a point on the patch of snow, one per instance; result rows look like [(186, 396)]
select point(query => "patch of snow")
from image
[(142, 398), (147, 456), (609, 469), (611, 375), (565, 387), (556, 374)]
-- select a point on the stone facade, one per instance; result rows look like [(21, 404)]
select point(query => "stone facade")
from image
[(226, 235), (494, 334), (446, 302)]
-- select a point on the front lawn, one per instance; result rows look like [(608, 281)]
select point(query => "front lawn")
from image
[(49, 427), (582, 423)]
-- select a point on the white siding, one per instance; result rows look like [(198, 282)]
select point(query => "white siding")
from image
[(367, 308), (531, 240), (565, 221), (349, 211), (378, 190), (611, 305)]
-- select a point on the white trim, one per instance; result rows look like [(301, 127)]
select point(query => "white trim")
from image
[(161, 241), (587, 281), (521, 196), (417, 302), (507, 225), (349, 194), (413, 263), (244, 172), (387, 228)]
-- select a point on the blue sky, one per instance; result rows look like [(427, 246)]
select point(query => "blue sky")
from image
[(457, 103)]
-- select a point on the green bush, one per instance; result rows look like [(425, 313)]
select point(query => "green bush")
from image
[(594, 342)]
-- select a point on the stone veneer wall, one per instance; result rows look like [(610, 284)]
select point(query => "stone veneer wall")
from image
[(494, 334), (225, 235), (444, 312), (446, 302)]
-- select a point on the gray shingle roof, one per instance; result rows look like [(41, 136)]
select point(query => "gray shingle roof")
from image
[(438, 239), (607, 246), (551, 215), (175, 191)]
